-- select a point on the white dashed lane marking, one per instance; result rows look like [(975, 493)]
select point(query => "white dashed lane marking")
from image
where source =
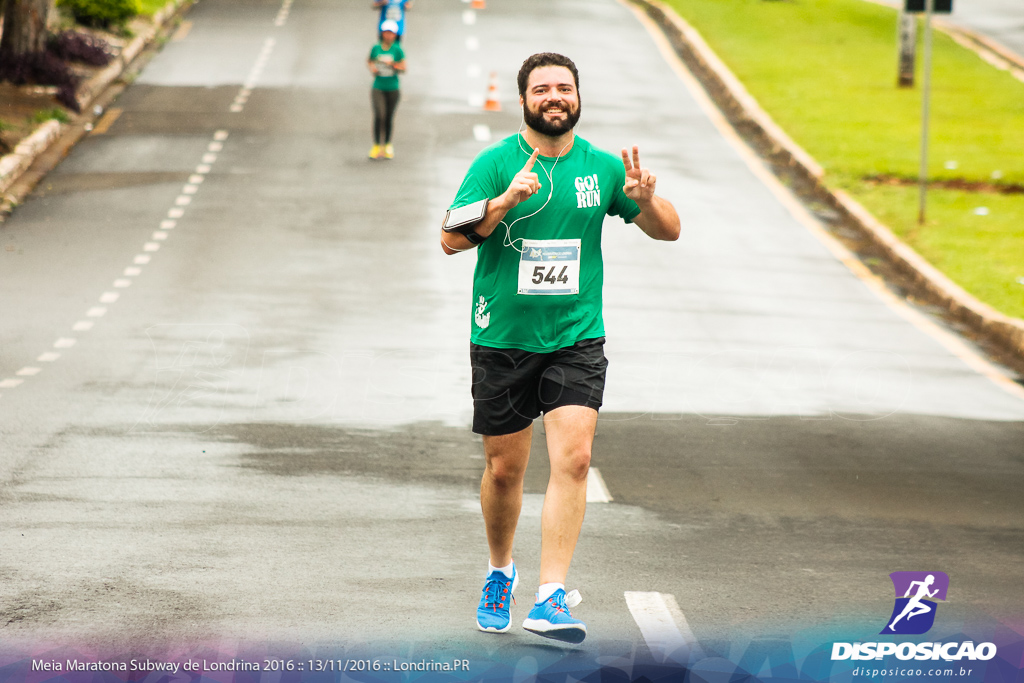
[(188, 191), (662, 625), (597, 491), (282, 15), (250, 82), (482, 132)]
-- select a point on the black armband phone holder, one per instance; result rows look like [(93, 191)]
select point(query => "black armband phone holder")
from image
[(465, 218)]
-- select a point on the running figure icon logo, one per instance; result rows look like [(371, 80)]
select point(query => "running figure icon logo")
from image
[(914, 612), (482, 319)]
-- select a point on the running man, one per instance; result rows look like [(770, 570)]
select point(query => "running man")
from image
[(914, 606), (537, 343)]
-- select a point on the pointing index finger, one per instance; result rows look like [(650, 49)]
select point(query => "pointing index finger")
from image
[(533, 158)]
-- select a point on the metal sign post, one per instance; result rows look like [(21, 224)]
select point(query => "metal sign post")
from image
[(929, 5)]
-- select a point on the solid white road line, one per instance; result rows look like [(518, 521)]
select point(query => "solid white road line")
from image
[(662, 625), (597, 492)]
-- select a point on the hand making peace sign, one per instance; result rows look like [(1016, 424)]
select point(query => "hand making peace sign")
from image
[(639, 181)]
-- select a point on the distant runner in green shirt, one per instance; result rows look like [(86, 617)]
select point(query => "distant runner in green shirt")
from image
[(386, 61), (537, 342)]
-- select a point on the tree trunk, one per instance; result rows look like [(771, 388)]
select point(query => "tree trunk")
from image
[(24, 29), (908, 48)]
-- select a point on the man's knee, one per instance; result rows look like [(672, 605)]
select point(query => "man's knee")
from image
[(505, 472), (574, 462), (506, 458)]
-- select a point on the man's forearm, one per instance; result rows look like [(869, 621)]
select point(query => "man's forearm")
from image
[(454, 242), (658, 218)]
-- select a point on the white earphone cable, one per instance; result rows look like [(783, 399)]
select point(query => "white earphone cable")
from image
[(508, 241)]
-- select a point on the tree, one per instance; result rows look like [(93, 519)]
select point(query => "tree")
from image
[(908, 46), (25, 33)]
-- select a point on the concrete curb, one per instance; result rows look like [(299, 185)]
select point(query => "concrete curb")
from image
[(14, 165), (756, 125)]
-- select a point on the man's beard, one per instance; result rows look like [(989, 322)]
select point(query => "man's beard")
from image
[(552, 129)]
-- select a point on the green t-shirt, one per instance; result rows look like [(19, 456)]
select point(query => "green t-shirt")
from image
[(387, 77), (538, 278)]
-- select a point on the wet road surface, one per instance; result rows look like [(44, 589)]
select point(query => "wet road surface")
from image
[(235, 389)]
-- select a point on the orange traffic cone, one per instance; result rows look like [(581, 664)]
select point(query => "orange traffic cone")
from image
[(492, 103), (478, 4)]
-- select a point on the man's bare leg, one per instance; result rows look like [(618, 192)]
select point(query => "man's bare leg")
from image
[(501, 490), (570, 437)]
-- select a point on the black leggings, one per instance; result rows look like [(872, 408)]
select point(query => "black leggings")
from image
[(384, 104)]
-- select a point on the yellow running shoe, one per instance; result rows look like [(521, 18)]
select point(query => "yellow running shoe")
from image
[(389, 151), (375, 152)]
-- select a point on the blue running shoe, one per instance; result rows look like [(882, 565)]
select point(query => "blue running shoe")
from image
[(493, 615), (551, 619)]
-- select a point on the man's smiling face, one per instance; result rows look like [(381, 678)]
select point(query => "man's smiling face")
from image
[(551, 105)]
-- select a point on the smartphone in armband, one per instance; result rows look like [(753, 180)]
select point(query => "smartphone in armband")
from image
[(465, 218)]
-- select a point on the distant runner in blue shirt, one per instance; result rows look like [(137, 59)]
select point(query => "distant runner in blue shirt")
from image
[(392, 10)]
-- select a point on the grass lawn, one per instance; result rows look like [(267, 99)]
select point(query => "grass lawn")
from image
[(150, 7), (825, 70)]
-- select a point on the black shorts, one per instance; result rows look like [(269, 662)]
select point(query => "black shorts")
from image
[(511, 387)]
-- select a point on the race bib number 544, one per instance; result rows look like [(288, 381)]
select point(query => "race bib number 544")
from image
[(550, 267)]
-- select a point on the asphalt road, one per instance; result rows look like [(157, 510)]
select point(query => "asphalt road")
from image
[(999, 19), (243, 407)]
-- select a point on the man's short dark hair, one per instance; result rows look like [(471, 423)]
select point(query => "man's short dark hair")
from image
[(542, 59)]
